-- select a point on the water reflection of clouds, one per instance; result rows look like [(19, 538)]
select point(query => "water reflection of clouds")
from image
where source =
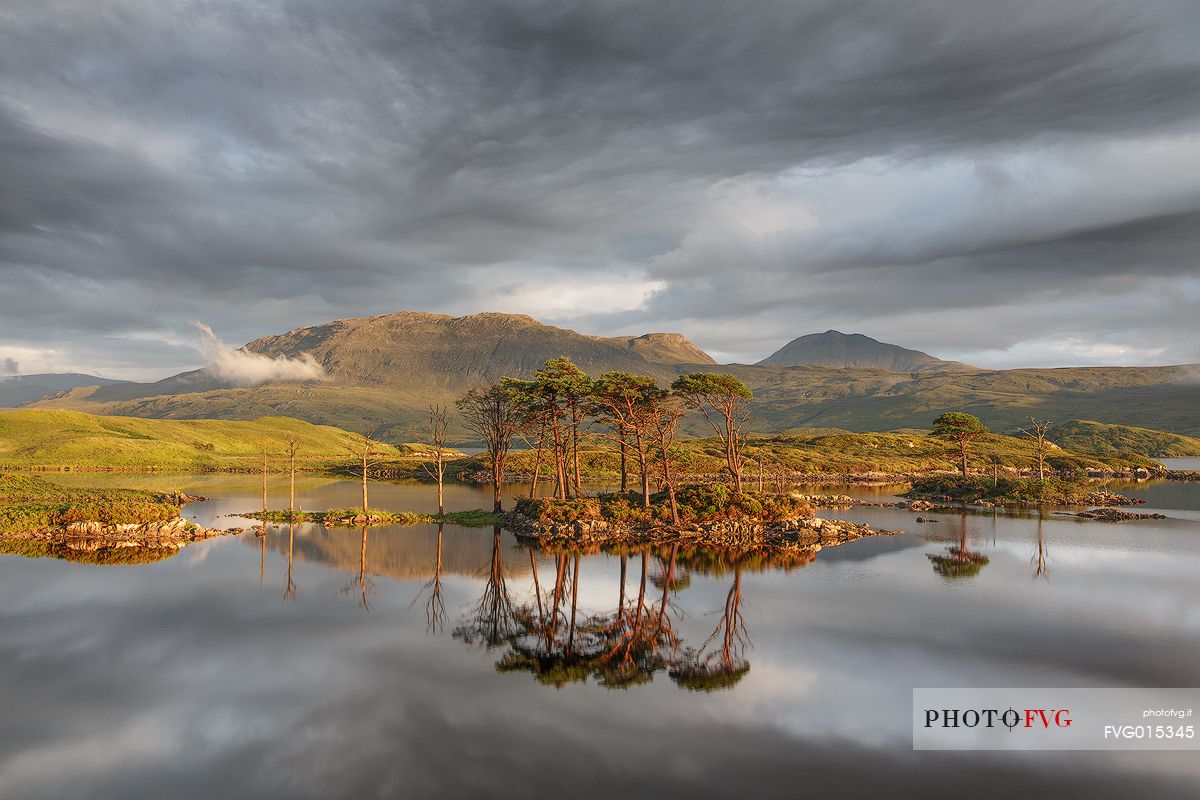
[(182, 680)]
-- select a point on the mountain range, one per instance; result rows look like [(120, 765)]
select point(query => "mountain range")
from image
[(386, 370), (17, 390)]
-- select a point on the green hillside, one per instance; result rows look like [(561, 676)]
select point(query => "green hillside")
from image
[(1086, 436), (60, 439), (839, 454)]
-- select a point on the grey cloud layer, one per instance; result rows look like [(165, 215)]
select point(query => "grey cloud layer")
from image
[(765, 169)]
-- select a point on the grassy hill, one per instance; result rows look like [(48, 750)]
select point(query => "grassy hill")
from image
[(63, 439), (56, 439), (839, 454)]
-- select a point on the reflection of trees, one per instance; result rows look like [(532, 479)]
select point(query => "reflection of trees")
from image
[(289, 590), (959, 562), (545, 641), (366, 587), (262, 555), (617, 650), (490, 620), (1040, 569), (722, 666), (435, 606)]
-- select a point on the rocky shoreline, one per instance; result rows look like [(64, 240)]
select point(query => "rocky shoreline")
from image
[(93, 536), (1108, 515)]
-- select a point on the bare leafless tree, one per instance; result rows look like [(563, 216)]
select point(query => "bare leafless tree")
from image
[(265, 454), (291, 450), (366, 451), (438, 424), (1038, 430), (491, 413)]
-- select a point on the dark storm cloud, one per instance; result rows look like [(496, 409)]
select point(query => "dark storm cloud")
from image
[(753, 166)]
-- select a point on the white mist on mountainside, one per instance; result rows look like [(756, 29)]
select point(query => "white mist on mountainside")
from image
[(242, 368)]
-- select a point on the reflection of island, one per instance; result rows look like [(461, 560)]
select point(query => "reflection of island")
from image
[(404, 553), (960, 561), (618, 650)]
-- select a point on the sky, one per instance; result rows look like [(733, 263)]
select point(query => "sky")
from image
[(1006, 183)]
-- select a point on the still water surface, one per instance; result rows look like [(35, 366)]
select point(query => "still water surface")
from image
[(223, 672)]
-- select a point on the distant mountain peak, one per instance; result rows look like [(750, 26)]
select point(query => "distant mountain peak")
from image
[(665, 348), (852, 351)]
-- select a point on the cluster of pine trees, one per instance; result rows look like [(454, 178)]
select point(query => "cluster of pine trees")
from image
[(640, 417)]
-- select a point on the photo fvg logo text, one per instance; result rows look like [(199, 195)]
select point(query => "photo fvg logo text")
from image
[(990, 717), (1054, 719)]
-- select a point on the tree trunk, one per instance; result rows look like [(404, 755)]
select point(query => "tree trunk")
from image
[(575, 451), (644, 466), (264, 481), (560, 474), (537, 463), (292, 491), (441, 503), (963, 448), (497, 482), (669, 481), (364, 478), (624, 465)]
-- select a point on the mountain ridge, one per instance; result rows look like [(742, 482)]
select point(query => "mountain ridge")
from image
[(388, 369), (16, 390)]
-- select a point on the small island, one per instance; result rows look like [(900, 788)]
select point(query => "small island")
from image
[(101, 526), (712, 516)]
